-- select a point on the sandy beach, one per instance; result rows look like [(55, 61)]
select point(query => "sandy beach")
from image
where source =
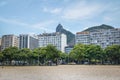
[(61, 72)]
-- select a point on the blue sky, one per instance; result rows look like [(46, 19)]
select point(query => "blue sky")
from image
[(38, 16)]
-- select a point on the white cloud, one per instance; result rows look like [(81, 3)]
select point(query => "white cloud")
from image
[(53, 11), (107, 19), (56, 10), (11, 21), (40, 26), (43, 25), (81, 10)]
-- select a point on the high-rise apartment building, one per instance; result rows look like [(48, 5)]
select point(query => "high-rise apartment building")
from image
[(83, 37), (28, 41), (100, 37), (56, 39), (105, 38), (9, 40)]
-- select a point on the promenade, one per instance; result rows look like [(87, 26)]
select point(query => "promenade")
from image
[(61, 72)]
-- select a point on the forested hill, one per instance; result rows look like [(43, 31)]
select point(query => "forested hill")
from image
[(103, 26), (70, 35)]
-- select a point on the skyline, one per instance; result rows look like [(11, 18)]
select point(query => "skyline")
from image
[(38, 16)]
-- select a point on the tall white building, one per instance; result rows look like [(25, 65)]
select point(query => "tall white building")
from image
[(28, 41), (100, 37), (56, 39), (9, 41)]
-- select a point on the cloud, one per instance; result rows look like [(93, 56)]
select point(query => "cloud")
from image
[(56, 10), (3, 3), (53, 11), (11, 21), (84, 10), (81, 10), (107, 19), (43, 25), (40, 25)]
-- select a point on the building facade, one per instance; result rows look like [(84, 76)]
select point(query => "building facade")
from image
[(9, 41), (56, 39), (83, 37), (105, 38), (100, 37), (28, 41)]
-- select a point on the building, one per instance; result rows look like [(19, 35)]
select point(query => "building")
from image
[(56, 39), (28, 41), (105, 38), (68, 49), (9, 41), (83, 37), (100, 37)]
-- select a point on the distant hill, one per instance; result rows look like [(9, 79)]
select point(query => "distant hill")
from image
[(103, 26), (70, 35)]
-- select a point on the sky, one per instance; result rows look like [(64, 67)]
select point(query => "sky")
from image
[(39, 16)]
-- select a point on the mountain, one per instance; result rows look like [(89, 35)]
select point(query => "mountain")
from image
[(70, 35), (103, 26)]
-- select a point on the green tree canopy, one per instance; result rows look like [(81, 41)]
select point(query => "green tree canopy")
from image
[(78, 52), (24, 54), (9, 53), (113, 53), (1, 56), (52, 53)]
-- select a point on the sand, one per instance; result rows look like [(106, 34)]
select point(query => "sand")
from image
[(61, 72)]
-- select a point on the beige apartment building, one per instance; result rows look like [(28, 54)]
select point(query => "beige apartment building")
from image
[(9, 40)]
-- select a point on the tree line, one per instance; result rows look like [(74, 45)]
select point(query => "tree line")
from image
[(94, 54), (39, 56), (49, 55)]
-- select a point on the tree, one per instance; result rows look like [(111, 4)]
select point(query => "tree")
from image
[(113, 54), (93, 53), (1, 57), (78, 52), (52, 53), (24, 54), (98, 51), (9, 53), (103, 56), (40, 54), (30, 56), (64, 57), (72, 56)]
